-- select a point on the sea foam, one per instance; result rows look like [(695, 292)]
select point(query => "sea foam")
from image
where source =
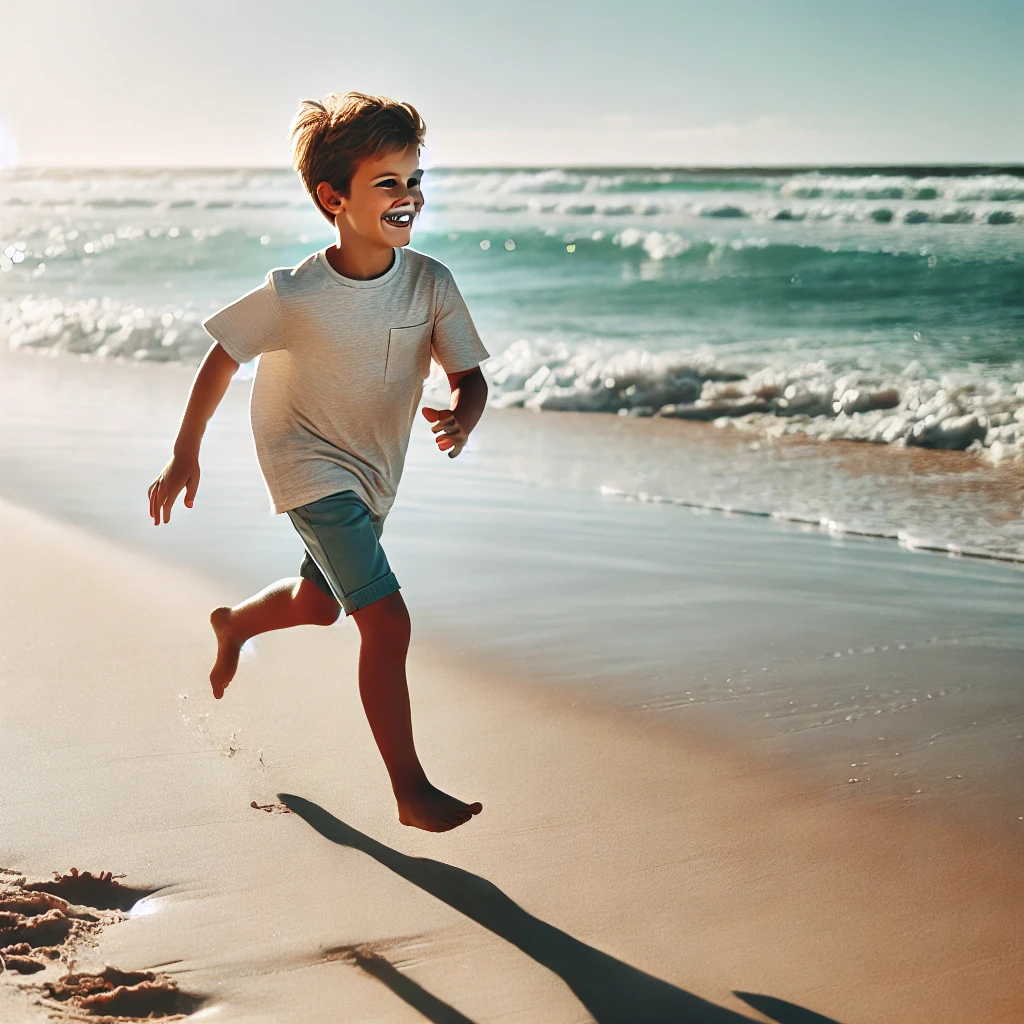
[(964, 411)]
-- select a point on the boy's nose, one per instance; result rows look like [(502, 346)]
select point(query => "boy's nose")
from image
[(413, 197)]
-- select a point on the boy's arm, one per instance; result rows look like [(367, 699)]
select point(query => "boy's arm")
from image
[(182, 471), (451, 427)]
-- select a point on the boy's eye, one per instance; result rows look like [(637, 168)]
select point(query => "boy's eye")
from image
[(392, 183)]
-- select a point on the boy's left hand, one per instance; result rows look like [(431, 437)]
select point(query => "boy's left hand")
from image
[(448, 434)]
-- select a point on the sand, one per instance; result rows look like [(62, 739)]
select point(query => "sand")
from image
[(621, 870)]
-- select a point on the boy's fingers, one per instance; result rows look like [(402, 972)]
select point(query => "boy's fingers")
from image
[(168, 503), (452, 445), (437, 415), (191, 488), (154, 503), (158, 501), (447, 431)]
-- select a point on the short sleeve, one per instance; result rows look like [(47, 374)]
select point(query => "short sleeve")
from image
[(455, 345), (250, 325)]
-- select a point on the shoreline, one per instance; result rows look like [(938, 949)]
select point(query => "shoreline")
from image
[(944, 502), (829, 526), (704, 867), (694, 465)]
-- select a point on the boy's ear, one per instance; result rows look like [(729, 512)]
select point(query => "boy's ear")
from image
[(329, 199)]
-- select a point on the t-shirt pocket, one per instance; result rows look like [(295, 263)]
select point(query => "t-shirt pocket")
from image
[(408, 354)]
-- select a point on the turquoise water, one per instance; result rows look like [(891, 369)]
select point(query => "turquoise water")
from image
[(882, 305)]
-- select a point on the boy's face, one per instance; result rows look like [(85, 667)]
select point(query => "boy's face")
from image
[(384, 198)]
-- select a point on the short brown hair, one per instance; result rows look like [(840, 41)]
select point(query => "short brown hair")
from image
[(329, 137)]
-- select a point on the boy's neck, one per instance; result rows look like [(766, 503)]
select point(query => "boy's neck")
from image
[(361, 263)]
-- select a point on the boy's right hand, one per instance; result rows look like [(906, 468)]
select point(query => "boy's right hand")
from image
[(181, 473)]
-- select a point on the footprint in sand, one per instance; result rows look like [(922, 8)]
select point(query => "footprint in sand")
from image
[(124, 994), (35, 926), (101, 892), (271, 808), (43, 923)]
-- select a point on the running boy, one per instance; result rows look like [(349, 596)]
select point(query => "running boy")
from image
[(345, 341)]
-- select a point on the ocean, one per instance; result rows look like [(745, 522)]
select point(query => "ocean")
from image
[(877, 305)]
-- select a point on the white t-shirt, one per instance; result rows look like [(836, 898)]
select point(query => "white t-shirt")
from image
[(341, 371)]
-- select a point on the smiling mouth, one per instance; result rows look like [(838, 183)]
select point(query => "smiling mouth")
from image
[(398, 219)]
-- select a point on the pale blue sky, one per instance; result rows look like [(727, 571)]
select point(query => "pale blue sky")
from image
[(215, 82)]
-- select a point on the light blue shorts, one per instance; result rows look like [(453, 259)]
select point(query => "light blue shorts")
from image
[(343, 553)]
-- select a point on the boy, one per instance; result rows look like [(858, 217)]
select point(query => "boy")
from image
[(345, 341)]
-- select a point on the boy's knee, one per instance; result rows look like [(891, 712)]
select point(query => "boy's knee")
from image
[(327, 612), (387, 617), (319, 608)]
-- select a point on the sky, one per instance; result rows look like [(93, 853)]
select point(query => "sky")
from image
[(519, 83)]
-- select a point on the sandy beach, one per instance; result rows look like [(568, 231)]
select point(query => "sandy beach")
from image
[(620, 871), (717, 620)]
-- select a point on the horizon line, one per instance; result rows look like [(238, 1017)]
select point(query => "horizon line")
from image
[(928, 167)]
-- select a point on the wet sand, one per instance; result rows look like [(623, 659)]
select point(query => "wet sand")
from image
[(861, 658), (621, 870)]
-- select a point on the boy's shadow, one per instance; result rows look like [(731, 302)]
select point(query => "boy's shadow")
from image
[(611, 990)]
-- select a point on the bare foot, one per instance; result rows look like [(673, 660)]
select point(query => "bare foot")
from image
[(430, 809), (228, 649)]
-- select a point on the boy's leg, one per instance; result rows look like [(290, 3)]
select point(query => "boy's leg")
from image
[(344, 540), (384, 631), (295, 601)]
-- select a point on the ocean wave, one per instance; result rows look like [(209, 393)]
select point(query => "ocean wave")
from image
[(139, 245), (556, 181), (904, 537), (955, 411), (253, 204), (671, 245), (763, 208), (121, 203), (984, 200), (967, 410), (131, 245), (942, 184), (104, 329), (998, 188)]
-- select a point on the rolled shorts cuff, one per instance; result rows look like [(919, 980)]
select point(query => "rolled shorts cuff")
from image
[(370, 593)]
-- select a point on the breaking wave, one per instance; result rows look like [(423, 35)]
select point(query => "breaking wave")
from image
[(104, 329), (966, 410), (963, 411)]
